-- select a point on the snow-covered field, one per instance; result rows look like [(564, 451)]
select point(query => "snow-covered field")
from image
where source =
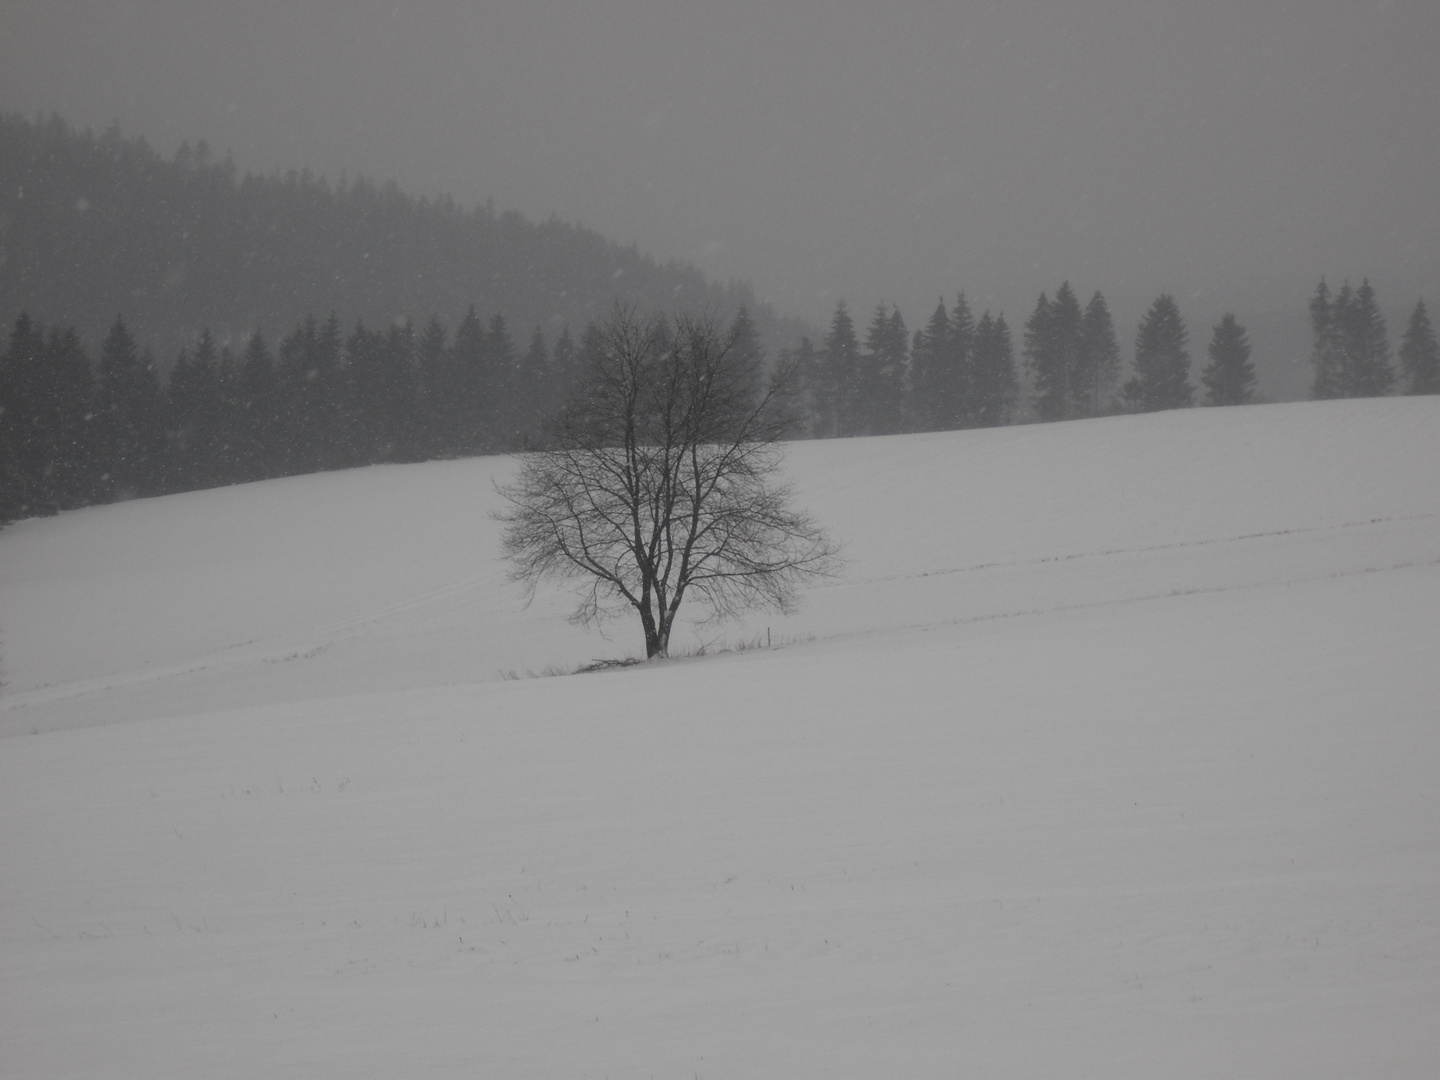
[(1114, 752)]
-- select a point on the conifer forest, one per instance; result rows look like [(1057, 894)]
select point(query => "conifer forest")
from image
[(264, 380)]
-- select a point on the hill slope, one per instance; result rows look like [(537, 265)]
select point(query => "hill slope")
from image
[(91, 225), (1113, 753)]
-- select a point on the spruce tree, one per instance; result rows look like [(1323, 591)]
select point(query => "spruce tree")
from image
[(1162, 365), (312, 387), (436, 392), (1098, 359), (1052, 351), (258, 453), (25, 451), (535, 390), (380, 405), (470, 405), (129, 418), (1419, 355), (1365, 369), (882, 385), (48, 459), (179, 395), (1229, 378), (194, 422), (956, 403), (565, 362), (69, 422), (502, 416), (230, 431), (994, 387), (1036, 343), (1325, 346), (928, 355), (896, 372), (801, 366), (361, 404), (744, 341), (327, 364), (840, 370), (400, 418)]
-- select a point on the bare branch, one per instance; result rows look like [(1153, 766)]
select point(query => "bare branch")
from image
[(659, 480)]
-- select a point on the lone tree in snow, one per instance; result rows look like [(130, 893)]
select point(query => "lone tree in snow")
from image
[(659, 480)]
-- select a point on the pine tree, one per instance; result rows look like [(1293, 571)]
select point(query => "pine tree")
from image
[(929, 353), (193, 418), (400, 438), (361, 404), (1229, 378), (70, 407), (436, 392), (314, 397), (994, 387), (1325, 346), (884, 374), (1419, 355), (565, 362), (1052, 351), (258, 453), (230, 431), (129, 418), (1162, 365), (956, 394), (837, 391), (1098, 359), (502, 417), (1036, 342), (1365, 369), (380, 406), (801, 366), (940, 359), (535, 392), (47, 449), (327, 365), (25, 451), (744, 340), (470, 406)]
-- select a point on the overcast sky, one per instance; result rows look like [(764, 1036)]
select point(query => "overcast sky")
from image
[(1227, 151)]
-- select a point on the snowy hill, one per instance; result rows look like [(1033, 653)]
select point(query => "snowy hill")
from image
[(1115, 751)]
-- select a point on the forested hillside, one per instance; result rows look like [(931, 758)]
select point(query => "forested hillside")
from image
[(95, 225), (257, 327)]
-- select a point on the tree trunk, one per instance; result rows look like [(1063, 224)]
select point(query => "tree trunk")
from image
[(657, 630)]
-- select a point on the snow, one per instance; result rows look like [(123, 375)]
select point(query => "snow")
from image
[(1113, 753)]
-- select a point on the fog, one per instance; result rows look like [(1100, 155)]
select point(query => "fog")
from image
[(1229, 153)]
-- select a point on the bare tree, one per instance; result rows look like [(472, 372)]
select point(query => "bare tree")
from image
[(659, 481)]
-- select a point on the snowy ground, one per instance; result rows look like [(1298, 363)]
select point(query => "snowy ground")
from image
[(1115, 752)]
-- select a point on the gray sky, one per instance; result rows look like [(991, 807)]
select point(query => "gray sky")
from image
[(1227, 151)]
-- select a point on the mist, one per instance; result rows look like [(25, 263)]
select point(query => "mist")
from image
[(1230, 154)]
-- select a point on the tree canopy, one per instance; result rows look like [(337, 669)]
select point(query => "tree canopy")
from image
[(660, 481)]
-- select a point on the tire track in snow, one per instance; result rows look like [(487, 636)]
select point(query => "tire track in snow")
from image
[(281, 649), (1173, 545), (1170, 594)]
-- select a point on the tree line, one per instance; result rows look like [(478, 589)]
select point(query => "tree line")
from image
[(960, 372), (73, 432), (1351, 353)]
